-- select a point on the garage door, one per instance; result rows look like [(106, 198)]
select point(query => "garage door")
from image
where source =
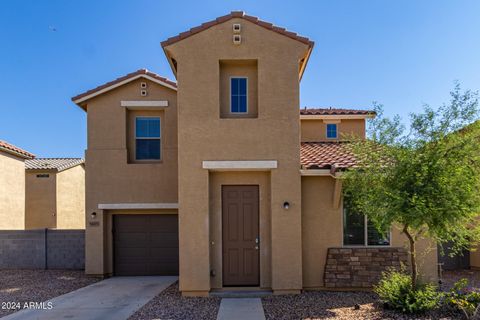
[(145, 245)]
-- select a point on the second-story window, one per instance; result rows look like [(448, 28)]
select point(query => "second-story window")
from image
[(238, 95), (331, 131), (147, 138)]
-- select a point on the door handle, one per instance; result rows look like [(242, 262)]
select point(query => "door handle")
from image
[(257, 240)]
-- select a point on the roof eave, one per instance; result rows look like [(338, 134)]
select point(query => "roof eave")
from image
[(17, 154), (335, 116)]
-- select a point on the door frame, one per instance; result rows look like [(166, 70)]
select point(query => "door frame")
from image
[(222, 234)]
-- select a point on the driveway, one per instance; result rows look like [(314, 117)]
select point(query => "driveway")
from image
[(115, 298)]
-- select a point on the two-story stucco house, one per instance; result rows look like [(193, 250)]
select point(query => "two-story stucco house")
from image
[(12, 186), (220, 178)]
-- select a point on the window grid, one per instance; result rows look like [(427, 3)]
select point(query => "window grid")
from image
[(147, 138), (365, 227), (238, 95), (331, 130)]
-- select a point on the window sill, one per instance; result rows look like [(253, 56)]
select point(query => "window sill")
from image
[(145, 162)]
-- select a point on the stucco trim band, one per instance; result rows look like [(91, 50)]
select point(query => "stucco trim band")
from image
[(240, 165), (150, 104), (128, 206)]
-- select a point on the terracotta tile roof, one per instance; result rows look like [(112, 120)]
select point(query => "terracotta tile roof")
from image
[(58, 164), (326, 155), (7, 147), (121, 79), (236, 14), (334, 111)]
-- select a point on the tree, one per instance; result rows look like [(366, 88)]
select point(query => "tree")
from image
[(426, 180)]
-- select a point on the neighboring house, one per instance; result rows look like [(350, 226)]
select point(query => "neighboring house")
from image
[(12, 186), (55, 193), (223, 179)]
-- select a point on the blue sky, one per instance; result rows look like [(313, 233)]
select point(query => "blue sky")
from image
[(399, 53)]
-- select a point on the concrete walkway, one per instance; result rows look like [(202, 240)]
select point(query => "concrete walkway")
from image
[(114, 298), (241, 309)]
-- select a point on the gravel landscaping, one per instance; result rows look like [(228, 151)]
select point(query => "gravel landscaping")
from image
[(171, 305), (20, 286), (337, 305)]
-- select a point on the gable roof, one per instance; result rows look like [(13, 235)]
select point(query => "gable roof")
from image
[(58, 164), (326, 155), (236, 14), (335, 111), (10, 148), (239, 14), (141, 73)]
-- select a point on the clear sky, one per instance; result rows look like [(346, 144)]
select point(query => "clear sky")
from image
[(400, 53)]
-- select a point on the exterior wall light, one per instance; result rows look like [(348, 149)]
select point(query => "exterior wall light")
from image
[(93, 215), (286, 205)]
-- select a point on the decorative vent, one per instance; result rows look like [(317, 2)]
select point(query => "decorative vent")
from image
[(143, 85), (237, 39), (237, 27), (143, 93)]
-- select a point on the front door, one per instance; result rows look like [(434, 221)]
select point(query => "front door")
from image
[(240, 236)]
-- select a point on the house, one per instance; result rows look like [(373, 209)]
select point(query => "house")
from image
[(12, 186), (55, 193), (221, 178)]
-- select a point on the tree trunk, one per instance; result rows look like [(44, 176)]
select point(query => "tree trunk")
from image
[(413, 260)]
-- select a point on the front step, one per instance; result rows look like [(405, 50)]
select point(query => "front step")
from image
[(241, 293)]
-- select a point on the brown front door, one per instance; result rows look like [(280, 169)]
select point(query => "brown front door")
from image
[(240, 236)]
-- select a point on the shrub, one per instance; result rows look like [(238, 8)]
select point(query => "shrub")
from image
[(396, 292), (464, 299)]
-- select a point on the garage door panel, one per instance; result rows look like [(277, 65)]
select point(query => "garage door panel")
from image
[(167, 224), (130, 223), (164, 240), (133, 240), (145, 244), (164, 254)]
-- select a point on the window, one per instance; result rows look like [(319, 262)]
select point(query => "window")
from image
[(43, 175), (238, 95), (147, 138), (358, 231), (331, 130)]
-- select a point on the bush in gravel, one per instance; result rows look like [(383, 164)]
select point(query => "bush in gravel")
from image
[(464, 299), (396, 292)]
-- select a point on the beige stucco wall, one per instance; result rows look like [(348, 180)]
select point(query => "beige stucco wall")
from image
[(12, 192), (205, 136), (316, 130), (217, 179), (71, 198), (322, 227), (239, 68), (41, 198), (110, 178)]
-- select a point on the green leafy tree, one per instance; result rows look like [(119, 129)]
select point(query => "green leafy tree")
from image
[(426, 180)]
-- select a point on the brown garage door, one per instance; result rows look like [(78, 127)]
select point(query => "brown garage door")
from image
[(145, 245)]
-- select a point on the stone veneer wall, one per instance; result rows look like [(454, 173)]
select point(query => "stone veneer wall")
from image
[(360, 267)]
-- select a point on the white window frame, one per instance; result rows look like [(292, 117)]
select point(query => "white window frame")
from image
[(365, 237), (230, 94), (336, 130), (148, 138)]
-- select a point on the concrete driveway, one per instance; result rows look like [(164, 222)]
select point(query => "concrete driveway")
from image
[(114, 298)]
